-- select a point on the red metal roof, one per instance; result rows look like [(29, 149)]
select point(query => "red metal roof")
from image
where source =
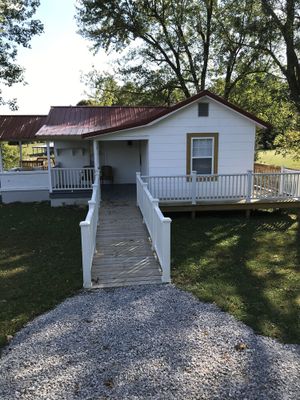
[(168, 110), (20, 127), (91, 121), (80, 120)]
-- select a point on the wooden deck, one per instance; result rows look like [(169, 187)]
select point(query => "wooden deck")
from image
[(223, 205), (123, 250)]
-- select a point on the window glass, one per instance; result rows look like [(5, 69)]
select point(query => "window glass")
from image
[(202, 147), (202, 155), (202, 165)]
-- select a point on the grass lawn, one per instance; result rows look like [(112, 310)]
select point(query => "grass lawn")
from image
[(247, 267), (269, 157), (40, 261)]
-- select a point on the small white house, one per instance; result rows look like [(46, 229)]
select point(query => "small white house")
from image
[(201, 149), (205, 134)]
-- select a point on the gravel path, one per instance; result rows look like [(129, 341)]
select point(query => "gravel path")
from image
[(145, 342)]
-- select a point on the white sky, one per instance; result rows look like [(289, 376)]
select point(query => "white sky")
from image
[(54, 63)]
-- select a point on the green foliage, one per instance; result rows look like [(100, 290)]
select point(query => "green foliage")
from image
[(104, 90), (10, 155), (16, 29), (289, 144), (266, 96), (274, 157), (174, 49), (172, 37)]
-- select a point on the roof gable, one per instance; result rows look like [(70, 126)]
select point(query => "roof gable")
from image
[(167, 111), (93, 121)]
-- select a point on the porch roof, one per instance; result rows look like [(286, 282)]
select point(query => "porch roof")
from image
[(20, 127), (81, 120)]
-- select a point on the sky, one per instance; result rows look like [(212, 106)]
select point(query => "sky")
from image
[(54, 63)]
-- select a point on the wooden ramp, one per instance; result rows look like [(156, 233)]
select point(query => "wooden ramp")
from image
[(123, 251)]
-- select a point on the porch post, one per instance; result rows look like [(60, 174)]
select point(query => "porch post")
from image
[(249, 186), (21, 155), (194, 189), (1, 159), (49, 167), (96, 155), (97, 165)]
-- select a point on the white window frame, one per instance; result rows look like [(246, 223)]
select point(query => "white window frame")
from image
[(212, 156)]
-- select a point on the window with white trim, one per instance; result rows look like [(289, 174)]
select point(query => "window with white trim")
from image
[(202, 155)]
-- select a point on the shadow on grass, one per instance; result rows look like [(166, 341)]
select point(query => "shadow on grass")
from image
[(247, 267), (40, 261)]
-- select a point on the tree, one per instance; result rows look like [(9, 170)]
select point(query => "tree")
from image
[(266, 96), (236, 53), (166, 35), (148, 89), (10, 155), (289, 144), (245, 50), (16, 29), (279, 34)]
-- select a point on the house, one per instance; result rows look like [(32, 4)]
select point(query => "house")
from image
[(194, 155), (204, 133)]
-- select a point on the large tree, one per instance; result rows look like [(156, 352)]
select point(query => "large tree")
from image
[(236, 53), (167, 35), (245, 50), (17, 27), (281, 40)]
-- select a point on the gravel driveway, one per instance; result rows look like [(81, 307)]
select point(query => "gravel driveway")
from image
[(147, 342)]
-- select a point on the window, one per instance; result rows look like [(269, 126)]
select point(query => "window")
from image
[(203, 109), (202, 153)]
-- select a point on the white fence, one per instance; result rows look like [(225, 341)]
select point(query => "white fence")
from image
[(158, 227), (72, 178), (12, 181), (88, 233), (249, 186)]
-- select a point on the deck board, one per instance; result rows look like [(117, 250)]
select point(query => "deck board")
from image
[(123, 251)]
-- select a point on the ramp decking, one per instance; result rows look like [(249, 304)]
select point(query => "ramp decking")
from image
[(123, 250)]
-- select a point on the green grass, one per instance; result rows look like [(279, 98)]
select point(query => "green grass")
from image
[(40, 261), (249, 268), (270, 157)]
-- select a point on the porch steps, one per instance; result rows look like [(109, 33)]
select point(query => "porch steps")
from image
[(123, 252)]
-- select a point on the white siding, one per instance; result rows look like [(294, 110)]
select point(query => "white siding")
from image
[(123, 158), (72, 154), (167, 139)]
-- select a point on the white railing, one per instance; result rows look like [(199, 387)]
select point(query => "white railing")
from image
[(249, 186), (72, 178), (14, 181), (158, 226), (88, 233)]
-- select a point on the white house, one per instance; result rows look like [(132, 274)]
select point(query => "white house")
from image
[(205, 134)]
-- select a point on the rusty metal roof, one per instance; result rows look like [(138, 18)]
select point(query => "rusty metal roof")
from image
[(80, 120), (20, 127), (92, 121), (164, 111)]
